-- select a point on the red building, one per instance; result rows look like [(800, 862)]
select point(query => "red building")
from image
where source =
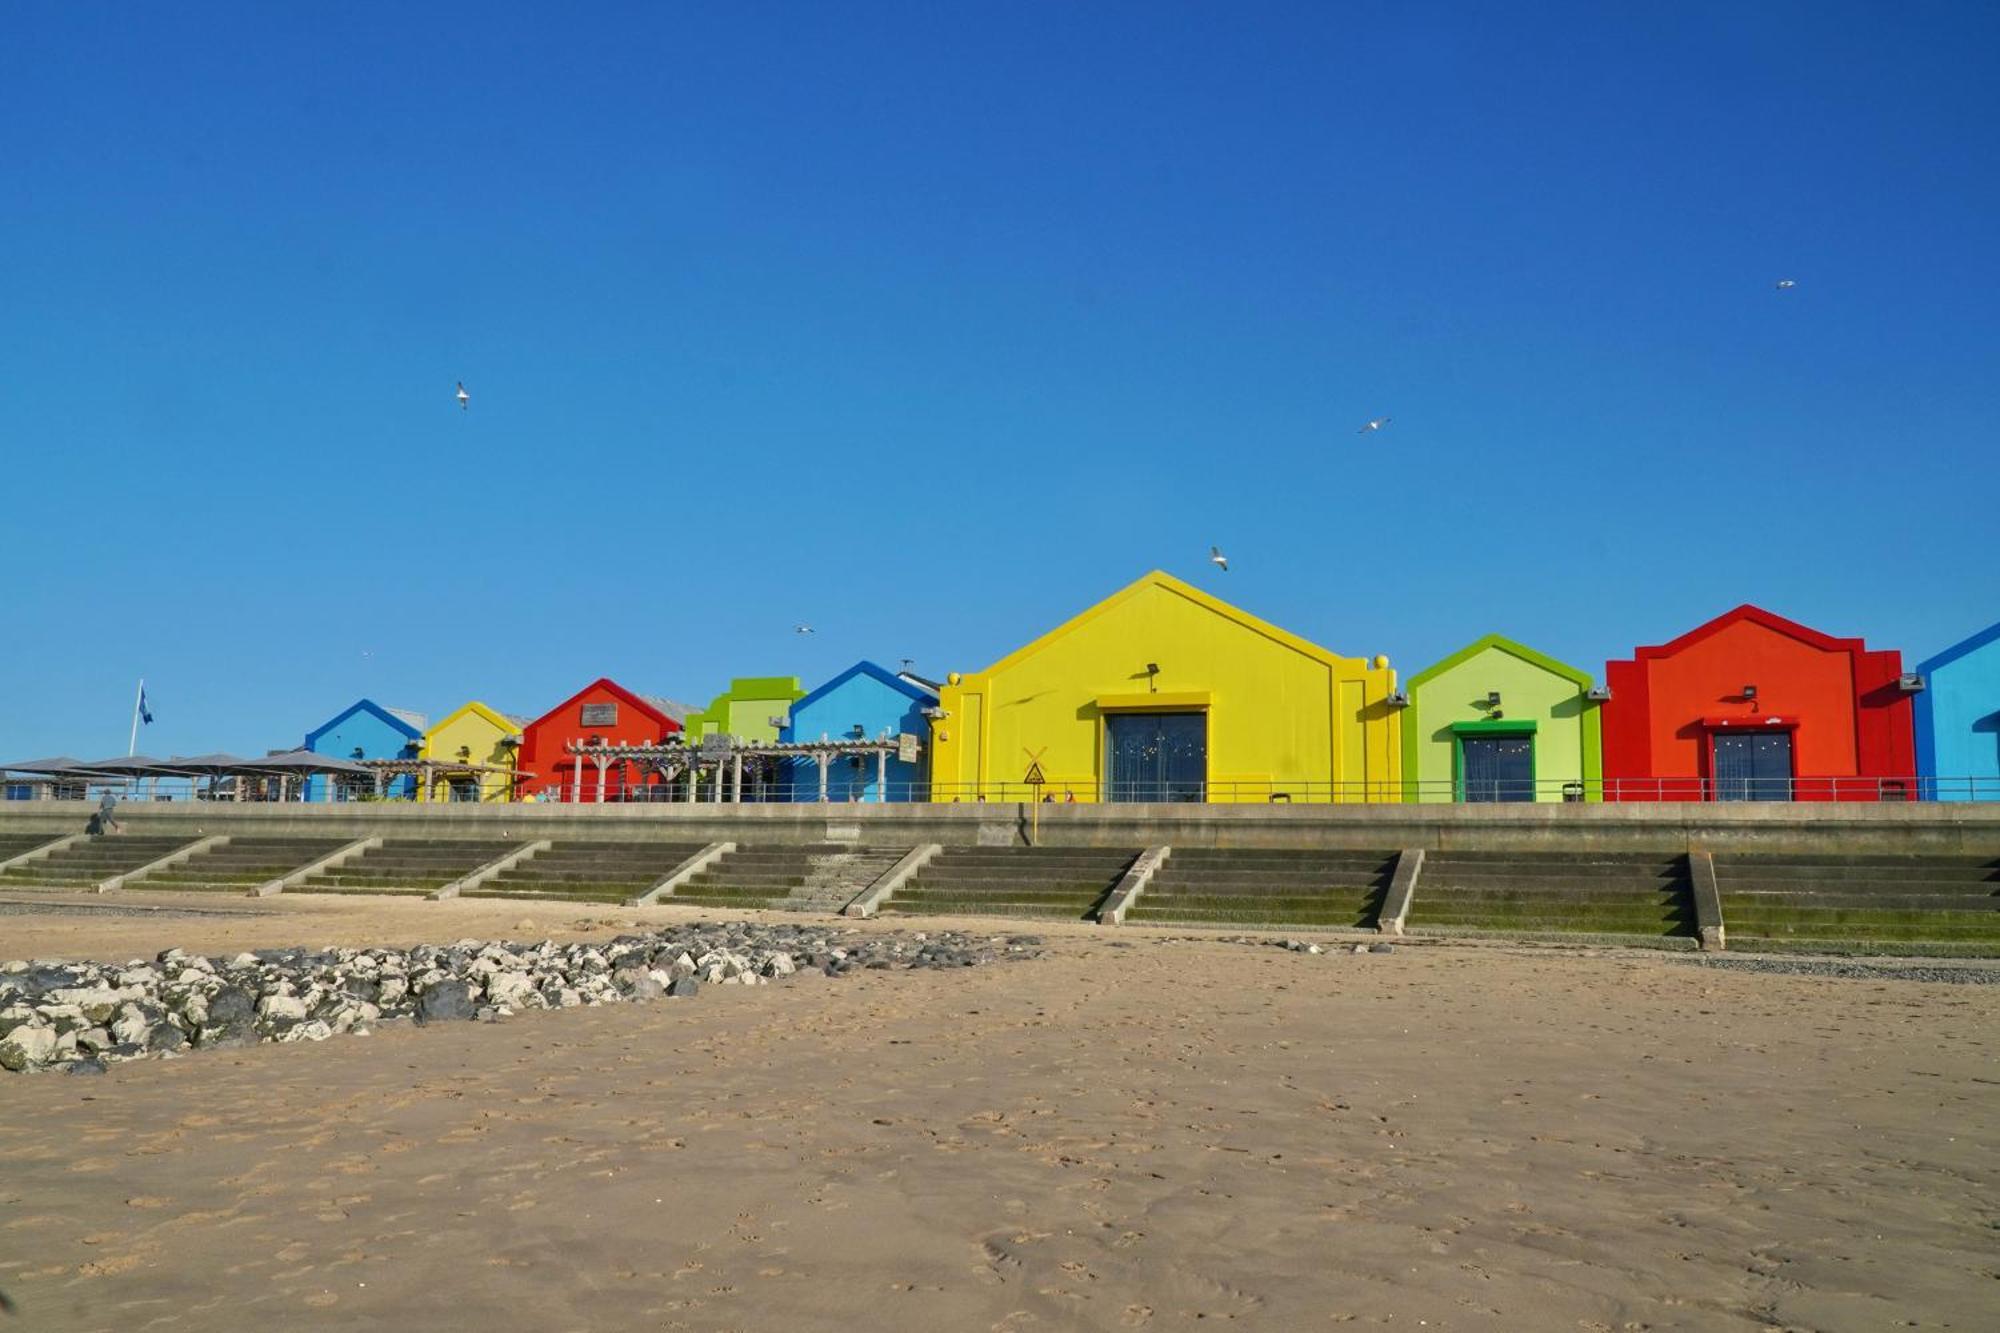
[(602, 713), (1753, 707)]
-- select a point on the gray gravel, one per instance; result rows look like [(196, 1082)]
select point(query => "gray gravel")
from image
[(1962, 974), (81, 1016)]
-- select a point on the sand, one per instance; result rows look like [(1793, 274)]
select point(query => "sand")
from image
[(1132, 1132)]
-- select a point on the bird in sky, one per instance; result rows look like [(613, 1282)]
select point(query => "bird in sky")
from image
[(464, 398), (1373, 426), (802, 629), (1218, 559), (1786, 284)]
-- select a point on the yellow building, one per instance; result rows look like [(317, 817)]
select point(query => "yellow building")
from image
[(473, 735), (1162, 692)]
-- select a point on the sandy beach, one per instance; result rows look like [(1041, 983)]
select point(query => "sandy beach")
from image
[(1133, 1131)]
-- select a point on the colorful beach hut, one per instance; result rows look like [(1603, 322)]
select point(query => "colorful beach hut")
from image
[(753, 708), (602, 713), (364, 730), (1162, 692), (1498, 721), (479, 738), (863, 702), (1754, 707), (1958, 720)]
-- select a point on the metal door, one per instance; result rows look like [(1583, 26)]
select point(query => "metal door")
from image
[(1755, 766), (1157, 756), (1498, 768)]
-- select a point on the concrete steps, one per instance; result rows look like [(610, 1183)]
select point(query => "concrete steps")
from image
[(85, 864), (19, 844), (588, 871), (239, 865), (808, 878), (406, 867), (1229, 886), (1061, 882), (1768, 898), (1554, 893)]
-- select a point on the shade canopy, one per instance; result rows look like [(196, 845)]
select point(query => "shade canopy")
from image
[(58, 764)]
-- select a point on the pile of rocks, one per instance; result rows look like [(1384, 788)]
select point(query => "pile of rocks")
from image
[(80, 1015)]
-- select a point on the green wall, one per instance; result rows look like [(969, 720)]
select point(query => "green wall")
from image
[(1533, 688), (746, 708)]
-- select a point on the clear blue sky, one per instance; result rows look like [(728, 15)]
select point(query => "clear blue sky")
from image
[(930, 324)]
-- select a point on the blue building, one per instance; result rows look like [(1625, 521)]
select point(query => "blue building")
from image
[(366, 731), (1958, 719), (864, 702)]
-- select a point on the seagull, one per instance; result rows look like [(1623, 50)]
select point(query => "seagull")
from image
[(1373, 426), (802, 629), (1786, 284), (464, 398), (1218, 559)]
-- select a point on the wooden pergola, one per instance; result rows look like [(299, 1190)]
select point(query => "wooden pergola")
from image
[(429, 772), (723, 758)]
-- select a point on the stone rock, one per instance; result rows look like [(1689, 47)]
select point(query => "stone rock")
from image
[(636, 983), (780, 965), (90, 1066), (282, 1008), (683, 987), (1381, 948), (511, 988), (445, 1001), (26, 1047)]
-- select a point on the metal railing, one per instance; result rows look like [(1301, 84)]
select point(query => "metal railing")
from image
[(862, 788)]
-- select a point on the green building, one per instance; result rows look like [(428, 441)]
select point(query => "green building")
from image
[(1499, 722), (753, 708)]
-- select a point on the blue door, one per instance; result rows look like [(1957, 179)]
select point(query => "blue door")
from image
[(1498, 768), (1158, 756), (1753, 767)]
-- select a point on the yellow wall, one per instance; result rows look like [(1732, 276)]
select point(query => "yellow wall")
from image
[(481, 730), (1284, 715)]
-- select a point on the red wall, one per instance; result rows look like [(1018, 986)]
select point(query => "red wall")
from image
[(1851, 720), (542, 742)]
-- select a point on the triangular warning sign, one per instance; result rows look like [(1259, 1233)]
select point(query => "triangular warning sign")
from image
[(1034, 778)]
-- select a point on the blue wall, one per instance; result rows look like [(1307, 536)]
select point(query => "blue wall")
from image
[(1958, 718), (378, 733), (879, 701)]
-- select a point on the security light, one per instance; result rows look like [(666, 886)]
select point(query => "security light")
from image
[(1749, 691), (1152, 668), (934, 713), (780, 721), (1910, 683), (1400, 699), (1492, 698), (1598, 694)]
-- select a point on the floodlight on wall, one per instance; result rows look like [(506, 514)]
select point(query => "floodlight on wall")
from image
[(780, 722), (934, 713), (1598, 694), (1910, 683), (1493, 699), (1399, 699), (1749, 692)]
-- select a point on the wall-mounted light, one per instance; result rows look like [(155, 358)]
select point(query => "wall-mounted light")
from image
[(1910, 683), (1493, 699), (934, 713), (1399, 699), (1749, 692), (1598, 694)]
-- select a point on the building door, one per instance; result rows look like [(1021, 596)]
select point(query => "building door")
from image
[(1753, 767), (1157, 756), (1497, 768)]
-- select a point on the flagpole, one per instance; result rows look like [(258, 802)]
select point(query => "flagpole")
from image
[(132, 746)]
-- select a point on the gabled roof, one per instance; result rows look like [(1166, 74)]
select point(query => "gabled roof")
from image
[(674, 709), (475, 708), (1755, 615), (396, 719), (1168, 583), (873, 672), (609, 686), (1498, 643), (1958, 650)]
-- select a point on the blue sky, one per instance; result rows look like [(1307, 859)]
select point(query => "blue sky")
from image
[(930, 324)]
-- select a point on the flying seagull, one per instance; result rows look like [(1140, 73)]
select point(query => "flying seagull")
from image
[(1373, 426), (1786, 284), (1218, 559), (464, 398), (802, 629)]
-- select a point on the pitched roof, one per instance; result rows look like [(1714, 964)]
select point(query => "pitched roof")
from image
[(873, 672), (1755, 615), (1959, 649), (658, 709), (1499, 643), (397, 719), (1168, 583)]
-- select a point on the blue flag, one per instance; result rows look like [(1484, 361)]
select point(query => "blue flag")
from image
[(145, 714)]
